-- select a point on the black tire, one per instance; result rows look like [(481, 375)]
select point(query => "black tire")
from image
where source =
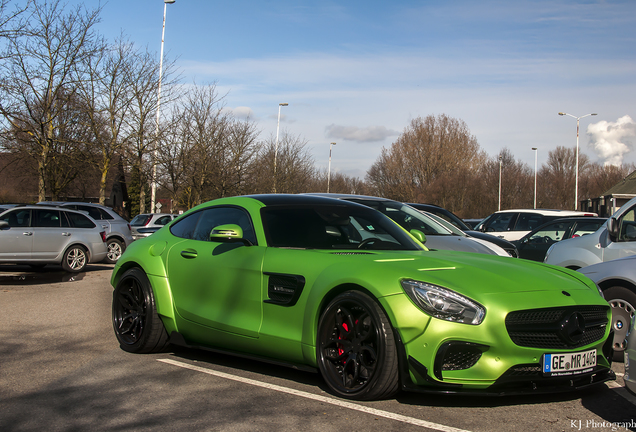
[(115, 249), (75, 259), (356, 349), (135, 320), (623, 303)]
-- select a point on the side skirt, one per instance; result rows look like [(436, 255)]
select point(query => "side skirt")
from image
[(177, 338)]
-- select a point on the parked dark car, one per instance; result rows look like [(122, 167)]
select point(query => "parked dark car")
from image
[(455, 220), (535, 244)]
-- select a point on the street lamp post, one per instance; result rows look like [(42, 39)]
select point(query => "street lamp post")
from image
[(153, 189), (329, 172), (576, 174), (276, 150), (535, 176), (499, 205)]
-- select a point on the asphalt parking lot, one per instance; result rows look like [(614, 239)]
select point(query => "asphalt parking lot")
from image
[(61, 370)]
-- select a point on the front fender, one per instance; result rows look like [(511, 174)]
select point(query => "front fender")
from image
[(148, 256)]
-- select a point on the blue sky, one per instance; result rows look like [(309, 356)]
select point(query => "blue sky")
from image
[(357, 72)]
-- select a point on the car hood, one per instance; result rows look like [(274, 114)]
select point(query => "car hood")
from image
[(475, 275)]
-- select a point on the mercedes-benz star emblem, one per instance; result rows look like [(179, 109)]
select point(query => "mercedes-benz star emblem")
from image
[(572, 328)]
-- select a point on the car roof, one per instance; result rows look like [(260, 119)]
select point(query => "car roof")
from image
[(50, 207), (352, 196), (302, 199), (549, 212)]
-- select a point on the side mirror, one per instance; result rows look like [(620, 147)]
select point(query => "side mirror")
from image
[(229, 233), (419, 235), (4, 225), (612, 227)]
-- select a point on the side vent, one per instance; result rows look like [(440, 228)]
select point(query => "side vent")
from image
[(284, 289)]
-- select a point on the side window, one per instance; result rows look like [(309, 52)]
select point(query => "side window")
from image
[(163, 220), (550, 234), (93, 212), (104, 214), (186, 225), (18, 218), (78, 220), (528, 221), (499, 222), (215, 216), (47, 218), (627, 224), (586, 228)]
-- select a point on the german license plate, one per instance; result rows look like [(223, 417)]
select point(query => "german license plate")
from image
[(565, 364)]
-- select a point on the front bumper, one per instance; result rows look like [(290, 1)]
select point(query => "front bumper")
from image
[(447, 357)]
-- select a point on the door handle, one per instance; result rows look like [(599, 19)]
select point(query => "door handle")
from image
[(189, 253), (66, 234), (27, 233)]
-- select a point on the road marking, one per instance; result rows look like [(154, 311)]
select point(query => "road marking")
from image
[(332, 401)]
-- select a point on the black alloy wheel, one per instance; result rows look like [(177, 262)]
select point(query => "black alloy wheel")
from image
[(135, 320), (356, 348)]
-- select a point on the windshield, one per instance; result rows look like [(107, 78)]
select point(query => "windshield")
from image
[(333, 227), (141, 220), (406, 216), (452, 228)]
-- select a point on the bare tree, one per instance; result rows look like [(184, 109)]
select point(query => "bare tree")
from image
[(425, 161), (140, 121), (39, 79), (555, 184), (294, 165), (106, 90), (237, 158)]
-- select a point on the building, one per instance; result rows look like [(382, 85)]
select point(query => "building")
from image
[(613, 198)]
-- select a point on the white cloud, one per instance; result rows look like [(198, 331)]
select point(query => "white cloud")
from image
[(612, 140), (353, 133)]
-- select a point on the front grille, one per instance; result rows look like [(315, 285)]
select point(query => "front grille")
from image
[(553, 328)]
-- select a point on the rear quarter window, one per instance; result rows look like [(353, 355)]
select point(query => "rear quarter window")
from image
[(79, 221)]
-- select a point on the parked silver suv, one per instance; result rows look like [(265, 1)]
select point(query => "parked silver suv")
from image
[(40, 235), (118, 231)]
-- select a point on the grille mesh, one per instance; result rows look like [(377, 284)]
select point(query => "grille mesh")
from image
[(541, 328), (459, 357)]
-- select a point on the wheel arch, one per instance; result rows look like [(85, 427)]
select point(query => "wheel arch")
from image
[(608, 283), (311, 324), (160, 289), (87, 250)]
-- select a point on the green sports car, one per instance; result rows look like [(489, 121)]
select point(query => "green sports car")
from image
[(336, 287)]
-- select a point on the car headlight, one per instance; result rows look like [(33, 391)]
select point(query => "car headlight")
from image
[(600, 291), (443, 303)]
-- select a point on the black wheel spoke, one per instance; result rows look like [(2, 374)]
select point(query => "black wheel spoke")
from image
[(351, 343)]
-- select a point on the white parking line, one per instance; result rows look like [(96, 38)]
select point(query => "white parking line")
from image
[(332, 401)]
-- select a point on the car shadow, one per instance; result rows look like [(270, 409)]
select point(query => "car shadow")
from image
[(599, 399), (27, 275)]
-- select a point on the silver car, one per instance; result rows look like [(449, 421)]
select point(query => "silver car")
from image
[(617, 280), (614, 239), (118, 231), (40, 235), (147, 223)]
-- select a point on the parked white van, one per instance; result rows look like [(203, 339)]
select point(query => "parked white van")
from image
[(614, 239)]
